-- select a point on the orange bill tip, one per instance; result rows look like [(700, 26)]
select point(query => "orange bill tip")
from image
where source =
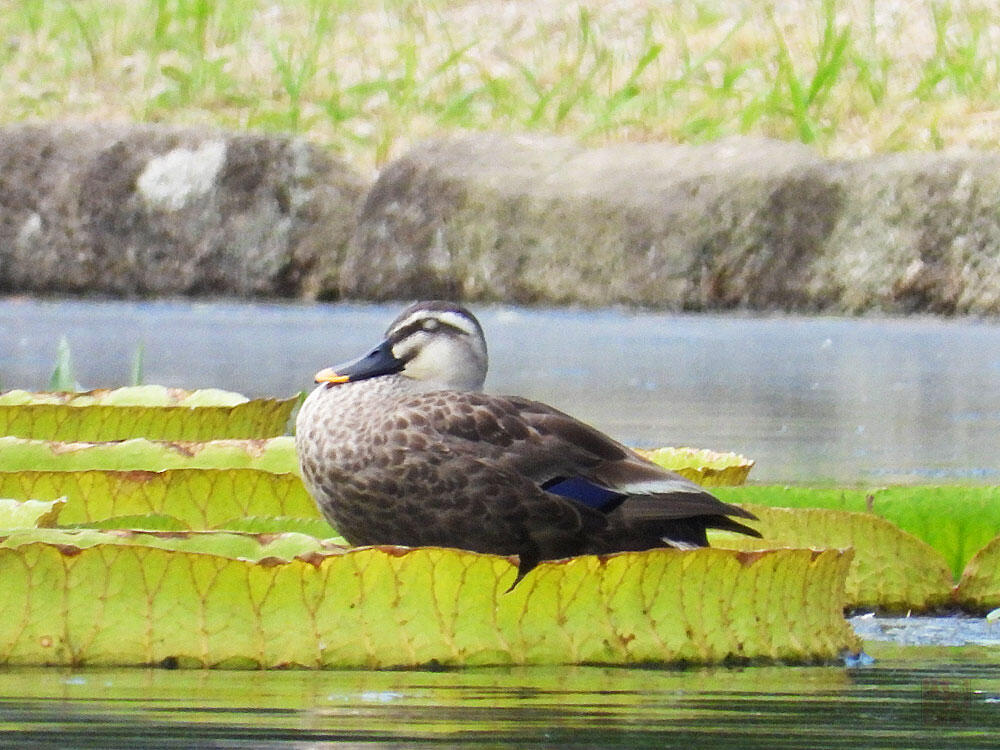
[(330, 375)]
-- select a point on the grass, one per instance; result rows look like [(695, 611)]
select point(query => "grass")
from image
[(63, 376), (369, 79)]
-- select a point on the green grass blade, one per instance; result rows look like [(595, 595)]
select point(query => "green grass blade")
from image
[(137, 375), (63, 377)]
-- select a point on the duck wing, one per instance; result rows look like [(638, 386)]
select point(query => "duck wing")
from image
[(569, 458)]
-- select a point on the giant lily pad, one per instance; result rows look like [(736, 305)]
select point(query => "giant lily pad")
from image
[(29, 514), (137, 395), (979, 589), (159, 414), (234, 545), (275, 455), (956, 520), (892, 570), (119, 604), (196, 498), (707, 468)]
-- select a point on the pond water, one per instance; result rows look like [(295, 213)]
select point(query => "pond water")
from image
[(944, 702), (810, 399)]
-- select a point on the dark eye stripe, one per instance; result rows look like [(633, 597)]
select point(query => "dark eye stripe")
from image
[(418, 325)]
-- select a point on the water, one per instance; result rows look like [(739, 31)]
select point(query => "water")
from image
[(941, 703), (811, 399)]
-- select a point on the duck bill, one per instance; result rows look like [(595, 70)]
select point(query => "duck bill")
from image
[(380, 361)]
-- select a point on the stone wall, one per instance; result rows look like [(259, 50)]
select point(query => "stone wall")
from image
[(149, 211), (738, 224), (743, 223)]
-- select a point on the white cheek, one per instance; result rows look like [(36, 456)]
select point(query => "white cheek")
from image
[(434, 360), (406, 348)]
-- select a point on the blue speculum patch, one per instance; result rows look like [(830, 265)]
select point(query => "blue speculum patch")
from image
[(585, 492)]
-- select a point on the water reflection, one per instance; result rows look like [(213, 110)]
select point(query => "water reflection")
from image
[(898, 704), (809, 398)]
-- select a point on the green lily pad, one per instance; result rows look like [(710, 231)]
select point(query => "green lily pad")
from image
[(29, 514), (275, 455), (892, 569), (129, 603), (707, 468), (137, 522), (956, 520), (195, 498), (979, 589), (229, 544), (315, 527), (82, 418), (138, 395)]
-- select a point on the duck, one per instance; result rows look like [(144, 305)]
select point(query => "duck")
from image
[(401, 446)]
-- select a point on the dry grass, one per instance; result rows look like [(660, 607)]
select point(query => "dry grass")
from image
[(850, 76)]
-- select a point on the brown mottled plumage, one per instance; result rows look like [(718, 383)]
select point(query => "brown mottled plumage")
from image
[(400, 447)]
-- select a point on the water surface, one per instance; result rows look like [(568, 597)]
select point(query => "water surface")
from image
[(940, 703), (847, 400)]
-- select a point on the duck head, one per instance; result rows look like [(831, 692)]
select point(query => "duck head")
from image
[(437, 345)]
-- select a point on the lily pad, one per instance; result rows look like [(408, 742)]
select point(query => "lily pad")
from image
[(315, 527), (139, 454), (29, 514), (229, 544), (79, 419), (196, 498), (956, 520), (138, 395), (707, 468), (892, 570), (979, 589), (124, 604), (137, 522)]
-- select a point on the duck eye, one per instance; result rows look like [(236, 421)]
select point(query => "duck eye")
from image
[(429, 325)]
